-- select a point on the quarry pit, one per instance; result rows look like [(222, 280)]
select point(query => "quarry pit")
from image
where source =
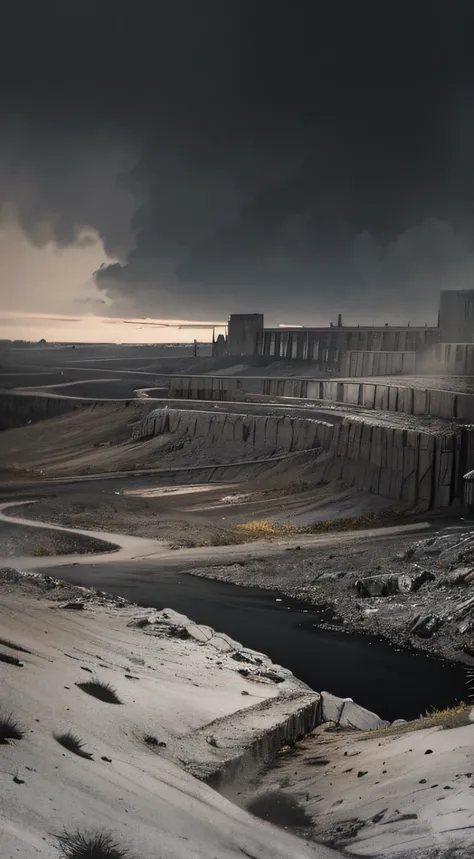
[(340, 499)]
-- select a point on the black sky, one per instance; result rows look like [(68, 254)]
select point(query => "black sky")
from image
[(298, 158)]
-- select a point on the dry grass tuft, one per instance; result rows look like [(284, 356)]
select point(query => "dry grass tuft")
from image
[(9, 729), (100, 689), (73, 744), (41, 552), (90, 845), (450, 717), (258, 529)]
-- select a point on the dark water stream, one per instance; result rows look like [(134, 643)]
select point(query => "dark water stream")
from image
[(395, 684)]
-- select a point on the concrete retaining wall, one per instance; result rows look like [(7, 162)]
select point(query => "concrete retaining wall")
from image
[(369, 395), (267, 436), (378, 363), (419, 468), (422, 469), (446, 359)]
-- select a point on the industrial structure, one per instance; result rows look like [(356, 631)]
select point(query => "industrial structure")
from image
[(360, 350)]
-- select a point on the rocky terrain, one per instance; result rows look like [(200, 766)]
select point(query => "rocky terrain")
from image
[(415, 593)]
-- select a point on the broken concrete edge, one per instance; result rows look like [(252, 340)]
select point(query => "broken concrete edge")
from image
[(299, 717), (345, 713)]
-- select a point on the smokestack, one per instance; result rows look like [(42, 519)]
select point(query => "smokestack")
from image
[(339, 320)]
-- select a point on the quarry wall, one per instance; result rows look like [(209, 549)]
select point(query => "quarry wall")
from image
[(415, 467), (455, 359), (265, 435), (380, 396), (419, 466), (378, 363)]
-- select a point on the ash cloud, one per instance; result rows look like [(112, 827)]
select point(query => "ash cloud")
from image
[(312, 160)]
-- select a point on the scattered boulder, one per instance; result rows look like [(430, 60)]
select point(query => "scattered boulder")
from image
[(388, 584), (377, 586), (399, 722), (344, 713), (425, 627), (177, 631), (331, 707), (357, 717), (414, 581)]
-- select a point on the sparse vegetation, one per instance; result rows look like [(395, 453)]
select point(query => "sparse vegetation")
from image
[(450, 717), (10, 660), (90, 845), (40, 552), (73, 744), (9, 729), (101, 689), (258, 529)]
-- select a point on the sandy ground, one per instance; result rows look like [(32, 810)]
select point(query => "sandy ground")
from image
[(408, 794), (177, 684), (92, 440)]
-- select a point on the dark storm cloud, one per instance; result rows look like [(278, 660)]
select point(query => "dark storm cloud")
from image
[(293, 156)]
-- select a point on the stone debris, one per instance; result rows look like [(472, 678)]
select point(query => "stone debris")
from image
[(386, 585), (345, 713), (425, 627), (170, 624)]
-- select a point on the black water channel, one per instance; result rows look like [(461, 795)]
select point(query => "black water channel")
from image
[(393, 683)]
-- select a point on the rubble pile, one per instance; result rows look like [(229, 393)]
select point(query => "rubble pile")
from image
[(440, 569)]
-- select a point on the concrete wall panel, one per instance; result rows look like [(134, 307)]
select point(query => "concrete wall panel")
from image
[(368, 396)]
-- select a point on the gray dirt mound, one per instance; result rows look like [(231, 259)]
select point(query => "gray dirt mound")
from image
[(20, 540)]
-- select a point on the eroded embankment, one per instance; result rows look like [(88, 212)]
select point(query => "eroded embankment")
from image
[(420, 467), (183, 698)]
